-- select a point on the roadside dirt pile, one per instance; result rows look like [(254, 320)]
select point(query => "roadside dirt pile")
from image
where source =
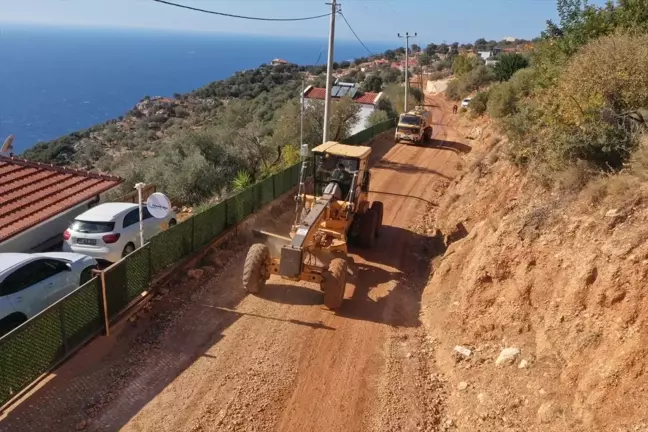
[(538, 305)]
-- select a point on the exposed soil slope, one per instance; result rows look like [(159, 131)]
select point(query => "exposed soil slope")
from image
[(552, 275)]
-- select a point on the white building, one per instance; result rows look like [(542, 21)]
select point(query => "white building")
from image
[(485, 55), (367, 100), (39, 201)]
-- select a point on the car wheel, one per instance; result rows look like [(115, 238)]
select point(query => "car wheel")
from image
[(128, 249), (86, 275), (172, 222)]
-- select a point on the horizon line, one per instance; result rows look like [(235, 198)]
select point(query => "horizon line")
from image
[(79, 26)]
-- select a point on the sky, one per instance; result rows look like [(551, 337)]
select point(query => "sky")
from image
[(373, 20)]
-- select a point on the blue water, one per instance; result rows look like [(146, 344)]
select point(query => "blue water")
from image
[(54, 81)]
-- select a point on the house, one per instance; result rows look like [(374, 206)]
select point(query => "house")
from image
[(277, 62), (401, 65), (485, 55), (39, 201), (367, 100)]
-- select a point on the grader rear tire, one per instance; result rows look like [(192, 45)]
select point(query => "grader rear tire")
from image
[(334, 283), (255, 272)]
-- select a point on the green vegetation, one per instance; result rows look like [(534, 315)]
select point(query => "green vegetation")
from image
[(206, 143), (473, 80), (479, 103), (508, 64), (583, 100), (219, 138), (462, 64)]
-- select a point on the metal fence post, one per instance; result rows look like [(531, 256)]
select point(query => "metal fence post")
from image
[(105, 303), (61, 309), (274, 188)]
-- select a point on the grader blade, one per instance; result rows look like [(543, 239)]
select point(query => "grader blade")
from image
[(265, 235)]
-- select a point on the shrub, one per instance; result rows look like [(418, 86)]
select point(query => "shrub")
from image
[(524, 81), (376, 117), (453, 91), (462, 64), (478, 104), (608, 73), (502, 100), (476, 79), (508, 64)]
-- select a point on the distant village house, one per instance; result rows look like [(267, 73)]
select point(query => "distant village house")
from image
[(367, 100)]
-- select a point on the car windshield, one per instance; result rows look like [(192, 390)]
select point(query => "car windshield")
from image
[(87, 227), (329, 167), (410, 120)]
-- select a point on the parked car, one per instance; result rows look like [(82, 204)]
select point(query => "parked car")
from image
[(110, 231), (465, 102), (29, 283)]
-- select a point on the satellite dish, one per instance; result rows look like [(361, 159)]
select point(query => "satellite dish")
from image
[(8, 145), (158, 205)]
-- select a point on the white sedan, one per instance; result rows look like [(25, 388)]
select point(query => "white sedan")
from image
[(29, 283), (110, 231), (466, 102)]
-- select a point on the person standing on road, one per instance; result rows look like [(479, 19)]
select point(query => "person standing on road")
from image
[(454, 109)]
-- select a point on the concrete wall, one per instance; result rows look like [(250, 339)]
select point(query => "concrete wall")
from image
[(365, 112)]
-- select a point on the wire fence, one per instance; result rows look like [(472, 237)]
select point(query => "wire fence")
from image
[(43, 342)]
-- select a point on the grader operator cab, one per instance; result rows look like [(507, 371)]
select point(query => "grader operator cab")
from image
[(337, 212)]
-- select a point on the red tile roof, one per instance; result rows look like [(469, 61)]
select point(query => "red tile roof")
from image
[(31, 193), (367, 98)]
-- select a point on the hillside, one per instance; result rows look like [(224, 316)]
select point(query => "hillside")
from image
[(195, 145), (541, 276), (198, 145)]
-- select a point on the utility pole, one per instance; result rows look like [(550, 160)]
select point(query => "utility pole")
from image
[(407, 38), (329, 71)]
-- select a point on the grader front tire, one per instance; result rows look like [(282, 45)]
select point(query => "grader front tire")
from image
[(255, 272), (334, 283)]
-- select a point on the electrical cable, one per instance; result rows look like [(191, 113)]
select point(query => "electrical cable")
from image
[(355, 34), (239, 16)]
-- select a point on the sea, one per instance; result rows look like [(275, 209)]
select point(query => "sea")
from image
[(56, 80)]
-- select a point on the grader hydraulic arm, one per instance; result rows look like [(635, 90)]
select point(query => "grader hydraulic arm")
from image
[(290, 265)]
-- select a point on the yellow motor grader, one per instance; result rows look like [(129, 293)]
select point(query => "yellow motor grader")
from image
[(338, 211)]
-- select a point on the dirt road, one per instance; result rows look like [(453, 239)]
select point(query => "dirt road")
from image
[(211, 359)]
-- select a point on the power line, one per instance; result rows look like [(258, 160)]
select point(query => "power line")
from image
[(239, 16), (354, 33)]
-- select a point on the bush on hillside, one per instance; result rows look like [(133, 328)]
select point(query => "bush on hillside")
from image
[(608, 74), (475, 80), (479, 103), (524, 81), (376, 117), (508, 64), (463, 64), (502, 100), (453, 90)]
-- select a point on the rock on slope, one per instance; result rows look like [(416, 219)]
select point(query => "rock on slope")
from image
[(550, 275)]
